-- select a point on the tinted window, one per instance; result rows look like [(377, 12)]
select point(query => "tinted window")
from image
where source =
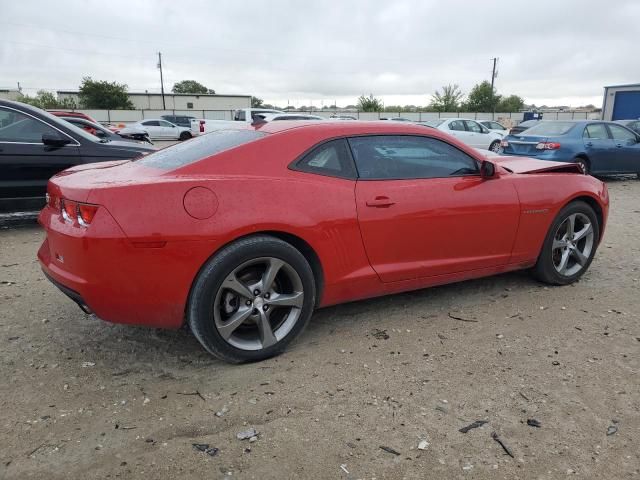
[(457, 125), (550, 129), (165, 124), (635, 126), (621, 133), (404, 157), (18, 127), (473, 126), (240, 116), (151, 123), (200, 147), (331, 158), (596, 130)]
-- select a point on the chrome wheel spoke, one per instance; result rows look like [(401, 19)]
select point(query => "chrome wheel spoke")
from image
[(267, 338), (234, 322), (580, 257), (294, 299), (273, 267), (586, 230), (562, 243), (232, 283), (564, 260), (571, 225)]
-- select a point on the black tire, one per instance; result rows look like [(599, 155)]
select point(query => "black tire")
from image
[(545, 269), (185, 136), (495, 146), (208, 283), (584, 164)]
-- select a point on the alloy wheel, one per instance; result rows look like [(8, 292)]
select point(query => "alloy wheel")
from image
[(572, 244), (258, 303)]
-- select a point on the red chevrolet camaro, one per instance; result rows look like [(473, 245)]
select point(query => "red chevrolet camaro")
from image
[(242, 233)]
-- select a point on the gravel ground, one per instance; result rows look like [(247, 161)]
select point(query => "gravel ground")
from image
[(85, 399)]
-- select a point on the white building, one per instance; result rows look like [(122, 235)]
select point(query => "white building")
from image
[(176, 101)]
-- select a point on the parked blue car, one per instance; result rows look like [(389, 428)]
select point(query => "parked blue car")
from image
[(599, 147)]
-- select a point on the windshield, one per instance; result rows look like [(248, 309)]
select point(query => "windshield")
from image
[(432, 123), (550, 129), (204, 146), (69, 126)]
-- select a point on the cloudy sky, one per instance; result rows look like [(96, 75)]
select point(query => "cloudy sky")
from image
[(554, 52)]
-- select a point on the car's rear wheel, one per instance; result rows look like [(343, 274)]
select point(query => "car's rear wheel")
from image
[(584, 164), (252, 299), (570, 245), (495, 146), (185, 136)]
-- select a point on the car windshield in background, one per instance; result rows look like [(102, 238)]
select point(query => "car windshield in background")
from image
[(550, 129), (198, 148), (432, 123)]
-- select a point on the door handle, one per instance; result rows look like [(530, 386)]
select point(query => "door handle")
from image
[(380, 202), (618, 145), (589, 144)]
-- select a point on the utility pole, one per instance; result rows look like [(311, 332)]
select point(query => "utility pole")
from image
[(164, 106), (19, 88), (493, 77)]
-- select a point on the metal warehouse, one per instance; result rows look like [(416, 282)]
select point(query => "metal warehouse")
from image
[(621, 102)]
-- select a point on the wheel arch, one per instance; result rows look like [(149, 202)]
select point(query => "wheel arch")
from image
[(595, 205), (297, 242)]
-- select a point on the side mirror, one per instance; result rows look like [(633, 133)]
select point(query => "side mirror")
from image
[(487, 169), (55, 140)]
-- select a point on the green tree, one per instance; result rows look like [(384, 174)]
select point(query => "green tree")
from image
[(47, 100), (369, 104), (512, 103), (256, 102), (448, 100), (191, 86), (482, 98), (104, 95)]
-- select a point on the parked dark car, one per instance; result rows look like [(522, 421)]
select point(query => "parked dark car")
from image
[(35, 145), (103, 133), (521, 127), (599, 147), (631, 124)]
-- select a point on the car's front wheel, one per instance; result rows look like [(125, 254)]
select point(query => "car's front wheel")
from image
[(570, 245), (252, 299)]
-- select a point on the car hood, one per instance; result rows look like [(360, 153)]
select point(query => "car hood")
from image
[(531, 165)]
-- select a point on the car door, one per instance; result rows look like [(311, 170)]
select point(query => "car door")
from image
[(626, 149), (169, 130), (599, 148), (26, 163), (458, 130), (424, 210), (152, 127), (478, 135)]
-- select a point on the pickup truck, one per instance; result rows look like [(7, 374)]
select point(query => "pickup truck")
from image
[(245, 115)]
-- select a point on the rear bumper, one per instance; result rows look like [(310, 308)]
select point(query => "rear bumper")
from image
[(105, 273)]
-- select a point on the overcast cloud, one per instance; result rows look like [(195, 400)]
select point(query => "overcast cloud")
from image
[(551, 52)]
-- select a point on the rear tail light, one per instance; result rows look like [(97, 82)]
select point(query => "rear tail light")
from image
[(504, 144), (53, 201), (548, 146), (73, 212), (201, 126)]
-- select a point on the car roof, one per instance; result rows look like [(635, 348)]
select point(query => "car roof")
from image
[(338, 127)]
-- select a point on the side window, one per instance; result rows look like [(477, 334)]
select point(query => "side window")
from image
[(457, 125), (397, 157), (473, 126), (20, 128), (621, 133), (240, 116), (151, 123), (596, 131), (165, 124), (635, 126), (331, 158)]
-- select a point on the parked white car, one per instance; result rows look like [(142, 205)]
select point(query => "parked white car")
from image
[(159, 129), (468, 131)]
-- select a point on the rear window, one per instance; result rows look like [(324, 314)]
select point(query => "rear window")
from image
[(550, 129), (191, 151)]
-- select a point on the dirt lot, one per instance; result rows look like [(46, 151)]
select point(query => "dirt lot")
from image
[(85, 399)]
